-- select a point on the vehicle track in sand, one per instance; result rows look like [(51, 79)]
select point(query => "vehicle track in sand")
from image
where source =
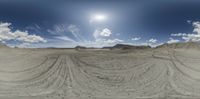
[(132, 81), (155, 74), (183, 78), (44, 78)]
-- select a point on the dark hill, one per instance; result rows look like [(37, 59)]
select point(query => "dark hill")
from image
[(125, 46)]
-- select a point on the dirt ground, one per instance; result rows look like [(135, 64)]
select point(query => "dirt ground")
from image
[(99, 74)]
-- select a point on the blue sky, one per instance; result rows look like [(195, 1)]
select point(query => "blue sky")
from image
[(68, 23)]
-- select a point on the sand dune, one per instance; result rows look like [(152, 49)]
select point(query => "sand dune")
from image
[(160, 73)]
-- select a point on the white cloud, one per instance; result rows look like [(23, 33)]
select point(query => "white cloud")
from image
[(194, 37), (189, 21), (57, 29), (152, 40), (136, 38), (196, 26), (35, 27), (110, 41), (96, 33), (75, 31), (64, 30), (106, 32), (101, 42), (171, 40), (179, 34), (7, 34), (102, 33), (65, 38), (102, 38)]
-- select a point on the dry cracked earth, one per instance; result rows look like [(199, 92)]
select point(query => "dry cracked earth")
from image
[(99, 74)]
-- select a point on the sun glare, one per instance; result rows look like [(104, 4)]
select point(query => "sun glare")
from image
[(98, 17)]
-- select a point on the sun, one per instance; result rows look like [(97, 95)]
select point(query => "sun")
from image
[(98, 18)]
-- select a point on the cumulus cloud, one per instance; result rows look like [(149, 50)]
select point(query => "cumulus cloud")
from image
[(102, 38), (194, 37), (135, 38), (102, 33), (196, 26), (152, 40), (106, 32), (7, 34), (171, 40)]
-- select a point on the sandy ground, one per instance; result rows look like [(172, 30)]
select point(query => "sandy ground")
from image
[(99, 74)]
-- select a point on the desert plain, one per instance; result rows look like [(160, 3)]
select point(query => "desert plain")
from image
[(169, 71)]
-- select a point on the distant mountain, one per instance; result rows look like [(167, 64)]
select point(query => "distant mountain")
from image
[(181, 45), (107, 47), (126, 46), (80, 47)]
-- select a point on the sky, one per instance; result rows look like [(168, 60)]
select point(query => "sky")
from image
[(98, 23)]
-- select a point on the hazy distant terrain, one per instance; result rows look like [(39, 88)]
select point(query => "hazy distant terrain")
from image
[(170, 71)]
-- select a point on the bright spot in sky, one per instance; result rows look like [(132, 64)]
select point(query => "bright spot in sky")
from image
[(98, 18)]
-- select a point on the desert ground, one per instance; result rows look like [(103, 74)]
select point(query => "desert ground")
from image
[(154, 73)]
